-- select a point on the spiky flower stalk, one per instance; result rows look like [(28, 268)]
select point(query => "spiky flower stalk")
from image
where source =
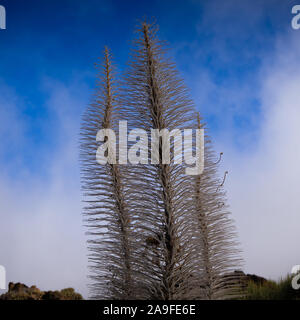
[(106, 212), (157, 233), (217, 248), (156, 99)]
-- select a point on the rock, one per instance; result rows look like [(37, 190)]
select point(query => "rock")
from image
[(19, 291), (246, 278), (242, 280), (256, 279), (17, 287), (52, 295)]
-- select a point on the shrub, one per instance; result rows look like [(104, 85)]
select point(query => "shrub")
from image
[(271, 290)]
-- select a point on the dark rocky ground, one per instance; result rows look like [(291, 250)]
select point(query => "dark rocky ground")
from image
[(19, 291)]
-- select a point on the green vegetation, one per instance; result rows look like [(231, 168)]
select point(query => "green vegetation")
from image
[(271, 290)]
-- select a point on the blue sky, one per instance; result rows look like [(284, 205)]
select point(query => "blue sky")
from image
[(60, 40), (232, 55)]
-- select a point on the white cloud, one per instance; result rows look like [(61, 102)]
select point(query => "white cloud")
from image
[(263, 183), (41, 232)]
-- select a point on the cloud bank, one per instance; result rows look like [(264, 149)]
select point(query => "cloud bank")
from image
[(263, 185), (41, 234)]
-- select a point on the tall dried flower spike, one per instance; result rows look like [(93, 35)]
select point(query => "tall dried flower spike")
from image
[(217, 251), (156, 232), (155, 98), (106, 213)]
